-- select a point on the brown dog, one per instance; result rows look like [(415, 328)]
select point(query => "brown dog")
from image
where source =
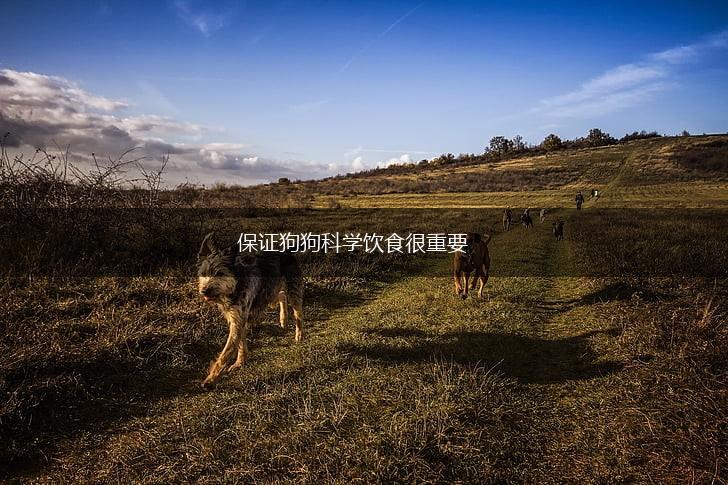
[(475, 259)]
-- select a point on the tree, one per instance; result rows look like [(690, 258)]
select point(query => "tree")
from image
[(518, 143), (552, 142), (500, 145), (598, 138), (685, 133), (639, 135)]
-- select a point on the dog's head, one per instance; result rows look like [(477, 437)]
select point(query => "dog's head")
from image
[(215, 278), (471, 240)]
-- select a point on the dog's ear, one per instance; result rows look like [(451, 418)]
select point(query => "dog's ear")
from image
[(229, 251), (208, 246)]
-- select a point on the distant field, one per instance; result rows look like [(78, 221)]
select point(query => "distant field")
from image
[(676, 195)]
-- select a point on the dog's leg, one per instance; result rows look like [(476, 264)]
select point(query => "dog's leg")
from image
[(456, 278), (242, 347), (237, 323), (483, 280), (478, 279), (466, 276), (298, 317), (283, 301), (475, 280)]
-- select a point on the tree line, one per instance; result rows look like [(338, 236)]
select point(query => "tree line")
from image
[(501, 147)]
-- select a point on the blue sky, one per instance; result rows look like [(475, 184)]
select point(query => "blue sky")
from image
[(246, 92)]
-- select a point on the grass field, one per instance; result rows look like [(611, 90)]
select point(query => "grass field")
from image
[(694, 195), (557, 375)]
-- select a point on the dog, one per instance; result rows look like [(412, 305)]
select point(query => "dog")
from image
[(243, 286), (558, 230), (507, 220), (526, 219), (542, 215), (475, 259)]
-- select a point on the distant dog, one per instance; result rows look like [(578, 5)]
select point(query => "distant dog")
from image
[(526, 219), (542, 215), (475, 259), (243, 286), (507, 219), (558, 230)]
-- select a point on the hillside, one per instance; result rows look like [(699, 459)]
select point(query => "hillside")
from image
[(667, 165)]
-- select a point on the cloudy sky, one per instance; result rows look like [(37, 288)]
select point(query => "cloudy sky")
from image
[(250, 91)]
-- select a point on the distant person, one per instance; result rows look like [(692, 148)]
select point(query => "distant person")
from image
[(596, 193), (542, 215), (593, 191), (579, 200), (507, 219), (526, 218)]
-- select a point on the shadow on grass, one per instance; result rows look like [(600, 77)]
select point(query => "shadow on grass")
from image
[(615, 292), (60, 399), (620, 291), (526, 359)]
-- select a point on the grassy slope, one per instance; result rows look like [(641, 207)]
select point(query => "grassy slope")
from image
[(639, 174)]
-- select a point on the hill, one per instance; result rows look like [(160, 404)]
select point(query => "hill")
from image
[(667, 165)]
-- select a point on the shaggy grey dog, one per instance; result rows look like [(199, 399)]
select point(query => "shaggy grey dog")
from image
[(243, 286)]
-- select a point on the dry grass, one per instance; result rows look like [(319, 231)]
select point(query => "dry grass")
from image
[(559, 375)]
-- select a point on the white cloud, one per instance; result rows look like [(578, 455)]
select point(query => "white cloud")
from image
[(357, 164), (719, 40), (354, 152), (401, 160), (40, 111), (145, 125), (676, 55), (628, 85), (309, 106), (49, 96), (203, 19)]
